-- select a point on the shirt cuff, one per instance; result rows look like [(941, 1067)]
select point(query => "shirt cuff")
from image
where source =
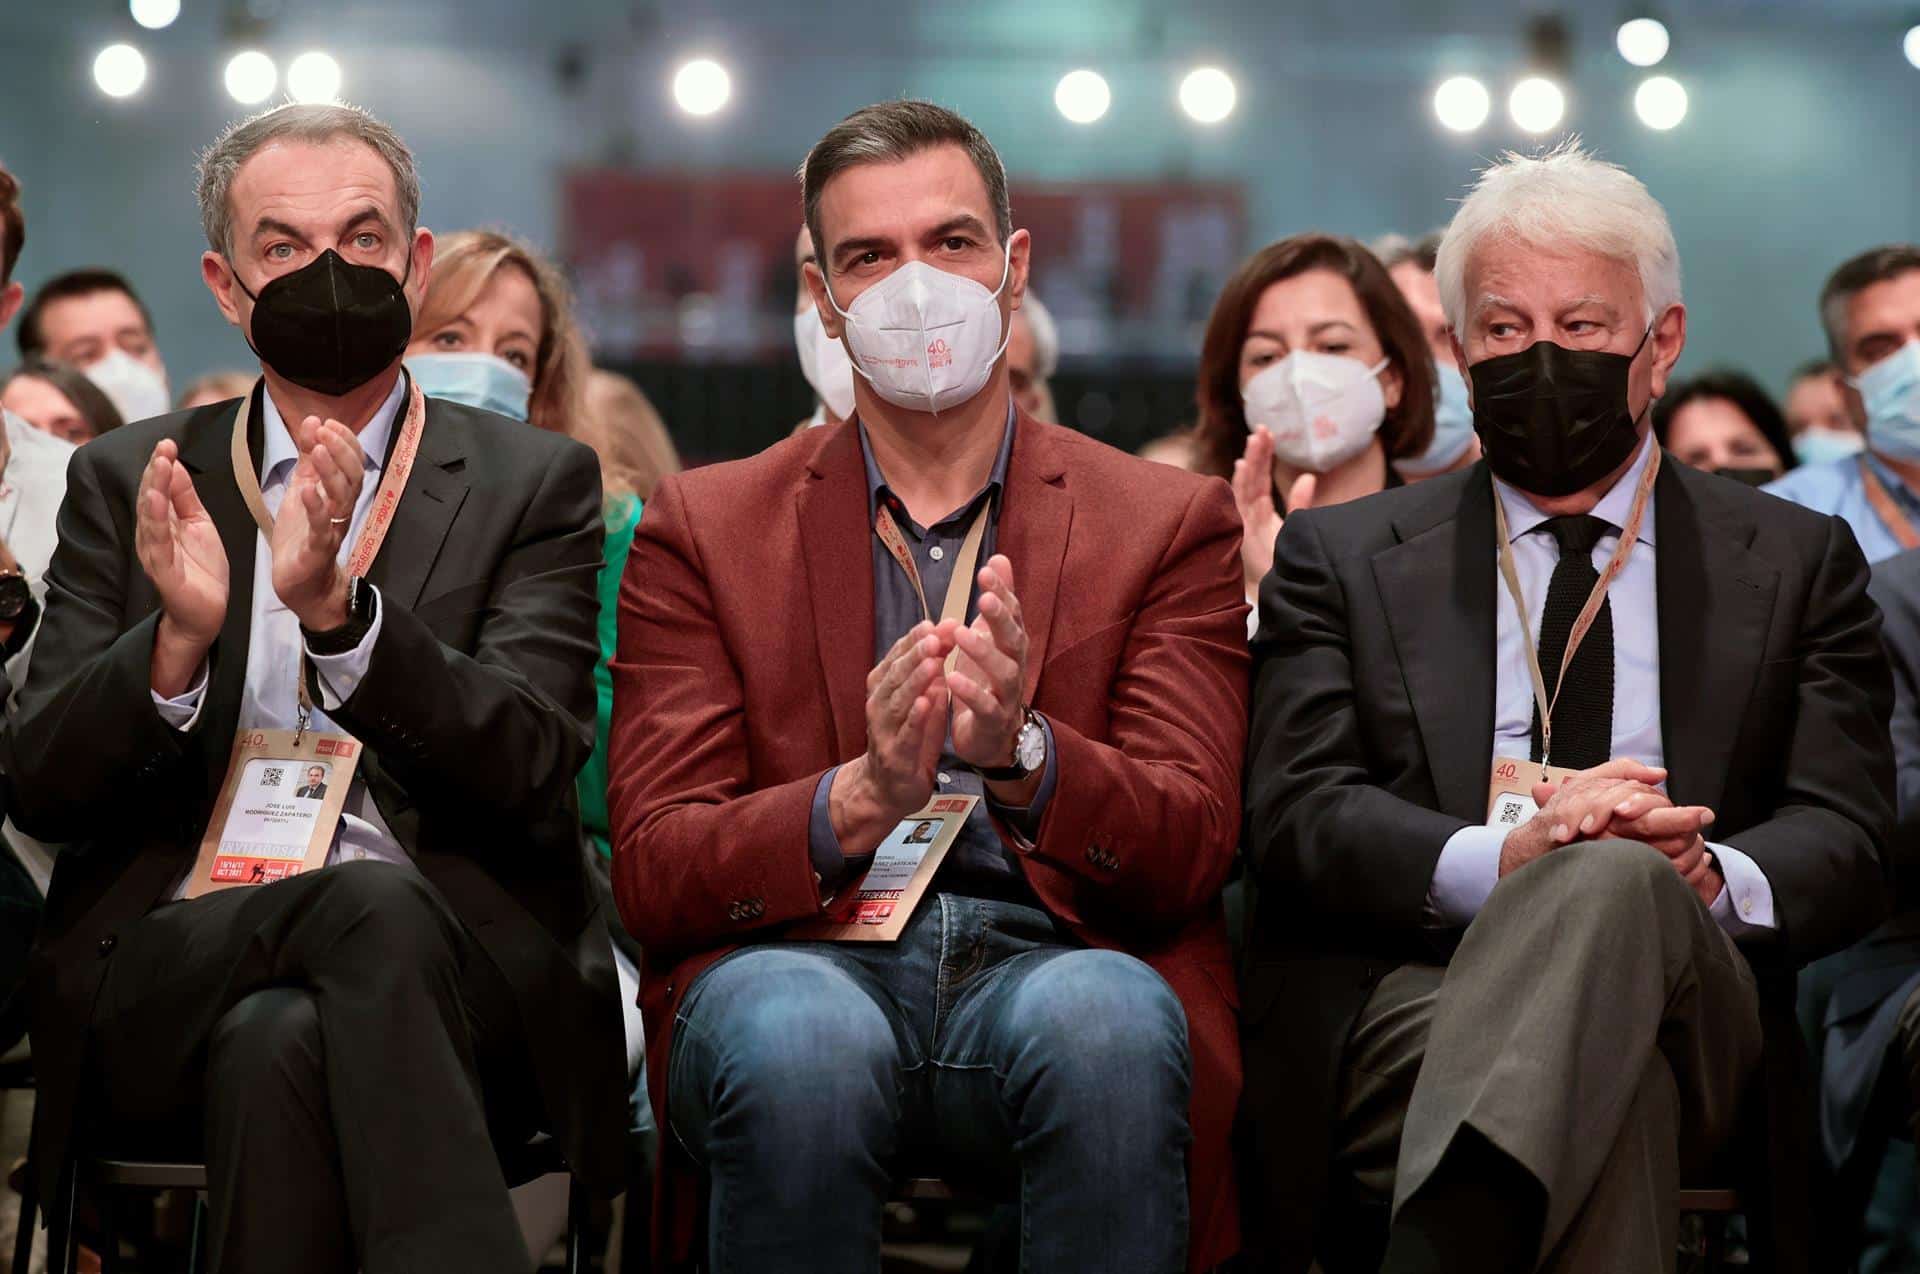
[(1026, 819), (183, 709), (1745, 904), (823, 844), (341, 674), (1468, 869)]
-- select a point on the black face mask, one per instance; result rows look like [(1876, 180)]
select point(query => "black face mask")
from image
[(1554, 420), (331, 326), (1752, 477)]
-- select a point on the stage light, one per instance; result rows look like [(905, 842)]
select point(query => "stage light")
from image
[(1536, 104), (119, 70), (250, 77), (1911, 45), (313, 77), (1462, 103), (1082, 96), (154, 14), (702, 86), (1642, 41), (1660, 102), (1207, 94)]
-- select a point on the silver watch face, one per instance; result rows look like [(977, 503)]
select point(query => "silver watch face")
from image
[(1030, 748)]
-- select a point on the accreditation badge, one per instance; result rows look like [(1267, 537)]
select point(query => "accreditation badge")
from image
[(877, 908), (278, 808), (1510, 792)]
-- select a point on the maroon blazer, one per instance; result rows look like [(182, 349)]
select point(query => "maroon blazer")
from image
[(746, 635)]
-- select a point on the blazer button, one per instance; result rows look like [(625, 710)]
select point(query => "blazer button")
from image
[(107, 944), (758, 909)]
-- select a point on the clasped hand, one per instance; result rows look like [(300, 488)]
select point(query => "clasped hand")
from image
[(1619, 800)]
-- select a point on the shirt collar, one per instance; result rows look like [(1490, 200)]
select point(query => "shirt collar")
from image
[(877, 488), (373, 439), (1614, 506)]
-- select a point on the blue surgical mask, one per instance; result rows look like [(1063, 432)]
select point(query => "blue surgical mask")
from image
[(1452, 428), (1891, 391), (1818, 445), (478, 380)]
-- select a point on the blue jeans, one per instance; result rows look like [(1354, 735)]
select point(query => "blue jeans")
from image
[(983, 1047)]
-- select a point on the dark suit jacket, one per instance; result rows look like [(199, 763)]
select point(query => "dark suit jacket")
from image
[(476, 712), (314, 792), (1373, 729), (746, 635)]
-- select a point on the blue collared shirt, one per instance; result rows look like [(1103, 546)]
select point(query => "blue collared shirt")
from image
[(1837, 487), (1469, 865)]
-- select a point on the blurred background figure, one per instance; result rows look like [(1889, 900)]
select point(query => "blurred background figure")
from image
[(1724, 422), (1179, 449), (1455, 446), (58, 399), (93, 319), (1033, 356), (1314, 376), (214, 387), (1817, 416), (823, 360)]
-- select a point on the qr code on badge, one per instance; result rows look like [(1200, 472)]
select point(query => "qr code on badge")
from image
[(271, 776), (1510, 811)]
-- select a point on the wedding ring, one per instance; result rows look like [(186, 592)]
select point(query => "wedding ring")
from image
[(338, 521)]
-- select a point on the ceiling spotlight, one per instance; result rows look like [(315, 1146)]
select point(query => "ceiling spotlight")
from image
[(1462, 103), (313, 77), (1911, 45), (251, 76), (119, 70), (1660, 102), (1082, 96), (702, 86), (1536, 104), (1207, 94), (1642, 41), (154, 14)]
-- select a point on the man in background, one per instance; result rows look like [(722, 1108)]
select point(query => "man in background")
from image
[(1817, 416), (93, 319), (1410, 264), (823, 359), (1033, 355)]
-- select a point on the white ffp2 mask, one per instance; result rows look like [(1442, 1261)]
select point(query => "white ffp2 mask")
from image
[(137, 391), (1322, 409), (925, 339), (824, 362)]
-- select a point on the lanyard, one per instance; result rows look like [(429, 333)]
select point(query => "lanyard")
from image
[(1595, 599), (959, 585), (1884, 507), (373, 533)]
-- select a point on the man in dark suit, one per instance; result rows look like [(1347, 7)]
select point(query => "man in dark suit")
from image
[(1512, 1014), (351, 1042), (315, 788)]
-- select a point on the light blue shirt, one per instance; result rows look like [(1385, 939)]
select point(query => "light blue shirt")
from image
[(1469, 865), (275, 647), (1837, 487)]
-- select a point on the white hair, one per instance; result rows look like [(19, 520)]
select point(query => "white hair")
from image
[(1046, 337), (1563, 200)]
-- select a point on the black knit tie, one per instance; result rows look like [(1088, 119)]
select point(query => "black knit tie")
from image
[(1583, 714)]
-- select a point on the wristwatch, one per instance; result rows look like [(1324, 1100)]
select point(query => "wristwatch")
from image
[(1029, 753), (15, 596), (360, 612)]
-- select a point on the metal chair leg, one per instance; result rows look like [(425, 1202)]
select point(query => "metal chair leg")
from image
[(197, 1235), (29, 1212), (110, 1231), (576, 1217), (63, 1250)]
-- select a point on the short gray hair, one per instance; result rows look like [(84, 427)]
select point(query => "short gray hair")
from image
[(1562, 199), (1046, 335), (1854, 276), (887, 133), (1396, 250), (313, 122)]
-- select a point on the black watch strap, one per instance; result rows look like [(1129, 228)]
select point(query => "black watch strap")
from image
[(360, 613)]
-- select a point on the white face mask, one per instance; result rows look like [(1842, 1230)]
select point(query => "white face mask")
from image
[(1322, 409), (137, 390), (824, 362), (927, 340)]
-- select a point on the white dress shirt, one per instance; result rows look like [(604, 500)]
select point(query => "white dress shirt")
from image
[(1469, 865), (34, 485), (274, 645)]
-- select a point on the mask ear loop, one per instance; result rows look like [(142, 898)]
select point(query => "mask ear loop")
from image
[(826, 284)]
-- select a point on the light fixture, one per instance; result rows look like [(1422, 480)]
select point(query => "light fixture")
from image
[(1536, 104), (1642, 41), (251, 76), (1660, 102), (1911, 45), (1462, 103), (702, 86), (1082, 96), (154, 14), (313, 77), (119, 70), (1207, 94)]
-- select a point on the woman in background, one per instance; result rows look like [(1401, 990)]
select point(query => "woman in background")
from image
[(1723, 422), (59, 399)]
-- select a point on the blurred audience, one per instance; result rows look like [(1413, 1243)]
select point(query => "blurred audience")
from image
[(58, 399), (1454, 445), (1724, 422), (1870, 308), (1817, 416), (1179, 449), (1033, 355), (93, 319), (214, 387), (823, 359), (1314, 375)]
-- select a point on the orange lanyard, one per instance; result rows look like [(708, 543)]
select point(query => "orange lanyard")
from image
[(1885, 509), (1595, 599)]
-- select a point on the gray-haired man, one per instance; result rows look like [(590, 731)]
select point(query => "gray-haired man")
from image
[(352, 1041)]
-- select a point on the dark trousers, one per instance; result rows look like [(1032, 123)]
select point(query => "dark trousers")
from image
[(349, 1053)]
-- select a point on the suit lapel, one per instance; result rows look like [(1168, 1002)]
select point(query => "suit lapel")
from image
[(434, 494), (1704, 566), (206, 451), (1437, 586), (1035, 517), (831, 506)]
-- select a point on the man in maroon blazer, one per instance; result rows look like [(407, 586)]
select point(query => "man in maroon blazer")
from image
[(796, 678)]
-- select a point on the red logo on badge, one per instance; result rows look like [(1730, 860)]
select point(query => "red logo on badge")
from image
[(873, 913), (939, 355), (334, 747)]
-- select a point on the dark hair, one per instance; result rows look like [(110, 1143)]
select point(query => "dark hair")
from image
[(87, 398), (1854, 276), (65, 287), (1221, 434), (1735, 387), (888, 133), (13, 225), (1395, 250)]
